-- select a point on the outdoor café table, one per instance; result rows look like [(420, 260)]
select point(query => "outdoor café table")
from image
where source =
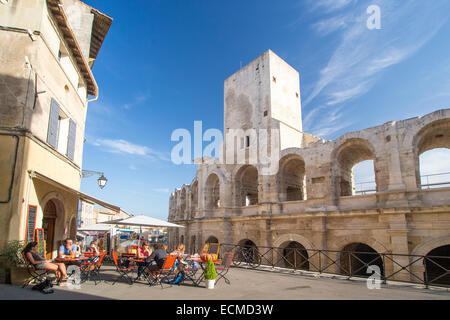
[(202, 264), (69, 260)]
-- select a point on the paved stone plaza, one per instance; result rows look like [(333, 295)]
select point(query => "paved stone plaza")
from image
[(245, 284)]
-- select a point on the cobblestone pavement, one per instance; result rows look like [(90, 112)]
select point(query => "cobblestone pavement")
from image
[(245, 284)]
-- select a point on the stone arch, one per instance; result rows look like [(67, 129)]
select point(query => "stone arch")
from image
[(424, 247), (212, 191), (435, 134), (293, 237), (291, 178), (212, 239), (246, 186), (194, 197), (73, 228), (355, 257), (56, 224), (344, 157), (437, 266), (183, 202)]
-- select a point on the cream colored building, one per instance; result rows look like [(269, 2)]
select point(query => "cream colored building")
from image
[(48, 50), (310, 201)]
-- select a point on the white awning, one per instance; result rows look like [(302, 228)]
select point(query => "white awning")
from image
[(144, 221)]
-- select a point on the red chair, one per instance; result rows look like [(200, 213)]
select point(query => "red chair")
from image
[(123, 271), (91, 270)]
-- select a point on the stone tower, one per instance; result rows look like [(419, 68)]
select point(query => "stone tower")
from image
[(265, 94)]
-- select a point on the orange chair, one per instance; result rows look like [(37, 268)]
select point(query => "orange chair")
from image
[(123, 271), (165, 272)]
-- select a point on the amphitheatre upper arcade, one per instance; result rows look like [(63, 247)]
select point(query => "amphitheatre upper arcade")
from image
[(312, 202)]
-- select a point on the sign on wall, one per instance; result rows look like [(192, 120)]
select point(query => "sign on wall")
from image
[(31, 223)]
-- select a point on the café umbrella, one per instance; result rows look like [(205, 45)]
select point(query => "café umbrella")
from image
[(143, 221)]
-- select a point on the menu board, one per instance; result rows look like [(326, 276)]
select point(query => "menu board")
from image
[(31, 223)]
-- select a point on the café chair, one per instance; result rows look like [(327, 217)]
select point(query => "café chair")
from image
[(36, 275), (123, 271)]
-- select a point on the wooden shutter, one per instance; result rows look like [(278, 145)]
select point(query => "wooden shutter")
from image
[(53, 124), (71, 139)]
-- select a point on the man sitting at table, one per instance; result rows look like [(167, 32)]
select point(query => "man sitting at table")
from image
[(159, 256), (68, 248)]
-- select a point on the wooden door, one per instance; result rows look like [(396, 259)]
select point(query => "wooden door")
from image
[(48, 224)]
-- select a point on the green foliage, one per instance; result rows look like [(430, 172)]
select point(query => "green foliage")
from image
[(210, 270), (13, 252)]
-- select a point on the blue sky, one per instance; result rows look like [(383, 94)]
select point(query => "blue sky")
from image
[(163, 64)]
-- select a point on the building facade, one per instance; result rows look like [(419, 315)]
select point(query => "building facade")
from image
[(46, 83), (308, 199)]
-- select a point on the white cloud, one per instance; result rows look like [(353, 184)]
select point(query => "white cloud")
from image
[(360, 57), (126, 147)]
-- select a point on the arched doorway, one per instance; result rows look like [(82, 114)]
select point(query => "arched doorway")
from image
[(247, 252), (212, 239), (355, 258), (73, 229), (437, 266), (295, 256), (48, 224)]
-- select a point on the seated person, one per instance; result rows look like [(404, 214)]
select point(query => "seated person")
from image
[(179, 250), (42, 264), (67, 249), (159, 256), (77, 245), (143, 252), (93, 248)]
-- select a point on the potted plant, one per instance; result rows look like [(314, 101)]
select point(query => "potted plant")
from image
[(210, 274), (15, 270)]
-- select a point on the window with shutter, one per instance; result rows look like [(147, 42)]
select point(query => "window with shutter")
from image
[(71, 139), (53, 124)]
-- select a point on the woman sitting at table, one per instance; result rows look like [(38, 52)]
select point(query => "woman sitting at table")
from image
[(143, 252), (42, 264), (159, 256), (93, 248)]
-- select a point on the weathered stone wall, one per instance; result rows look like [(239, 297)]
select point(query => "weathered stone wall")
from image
[(311, 199)]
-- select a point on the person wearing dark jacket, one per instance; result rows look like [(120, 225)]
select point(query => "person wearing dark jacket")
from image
[(159, 255)]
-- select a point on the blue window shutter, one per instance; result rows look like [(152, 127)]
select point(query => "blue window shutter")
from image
[(71, 139), (53, 124)]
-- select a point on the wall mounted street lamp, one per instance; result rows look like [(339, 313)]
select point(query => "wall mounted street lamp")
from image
[(101, 181)]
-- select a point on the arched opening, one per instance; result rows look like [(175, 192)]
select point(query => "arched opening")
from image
[(364, 178), (73, 229), (247, 186), (49, 224), (193, 248), (292, 179), (437, 266), (434, 167), (212, 239), (194, 197), (183, 204), (349, 154), (295, 255), (432, 152), (247, 252), (355, 258), (212, 192)]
